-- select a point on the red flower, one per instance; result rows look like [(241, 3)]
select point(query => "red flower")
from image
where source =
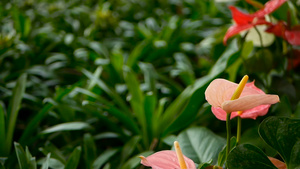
[(245, 21), (281, 29)]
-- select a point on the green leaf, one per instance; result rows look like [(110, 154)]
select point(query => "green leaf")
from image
[(200, 144), (149, 109), (74, 158), (204, 165), (129, 147), (31, 160), (103, 158), (89, 150), (136, 100), (115, 96), (222, 155), (21, 156), (2, 130), (13, 109), (187, 104), (26, 161), (67, 127), (139, 51), (54, 163), (55, 154), (2, 166), (45, 164), (31, 127), (283, 135), (247, 156)]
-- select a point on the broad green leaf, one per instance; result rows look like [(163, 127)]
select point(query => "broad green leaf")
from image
[(67, 127), (200, 144), (247, 156), (74, 158), (204, 165), (89, 150), (13, 109), (135, 161), (103, 158), (283, 135)]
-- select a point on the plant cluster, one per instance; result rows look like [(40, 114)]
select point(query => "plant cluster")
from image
[(98, 84)]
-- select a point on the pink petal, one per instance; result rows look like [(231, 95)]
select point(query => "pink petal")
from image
[(249, 102), (279, 164), (221, 90), (217, 91), (166, 159), (270, 7)]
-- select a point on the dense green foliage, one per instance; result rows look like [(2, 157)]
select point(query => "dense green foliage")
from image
[(93, 84)]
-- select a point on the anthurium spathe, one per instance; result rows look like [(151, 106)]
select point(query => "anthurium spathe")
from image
[(168, 159), (279, 164), (252, 102), (281, 29), (245, 21)]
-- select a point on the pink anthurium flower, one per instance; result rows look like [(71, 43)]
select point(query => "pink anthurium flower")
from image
[(168, 159), (245, 21), (252, 102)]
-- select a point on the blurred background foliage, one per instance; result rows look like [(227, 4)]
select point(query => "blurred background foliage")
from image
[(94, 84)]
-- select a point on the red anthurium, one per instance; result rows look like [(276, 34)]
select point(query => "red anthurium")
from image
[(281, 29), (252, 102), (279, 164), (246, 21)]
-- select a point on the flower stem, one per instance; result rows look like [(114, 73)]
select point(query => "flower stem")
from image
[(260, 37), (239, 128), (228, 128)]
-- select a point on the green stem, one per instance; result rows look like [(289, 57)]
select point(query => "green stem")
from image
[(239, 128), (260, 37), (228, 128)]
